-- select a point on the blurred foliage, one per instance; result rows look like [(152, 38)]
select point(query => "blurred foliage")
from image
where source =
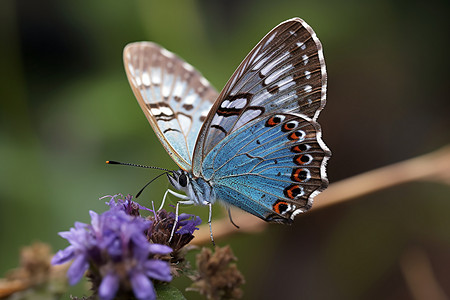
[(66, 107)]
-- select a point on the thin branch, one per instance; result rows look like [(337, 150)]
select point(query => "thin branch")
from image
[(434, 166)]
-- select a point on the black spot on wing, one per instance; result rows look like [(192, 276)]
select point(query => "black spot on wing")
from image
[(171, 129)]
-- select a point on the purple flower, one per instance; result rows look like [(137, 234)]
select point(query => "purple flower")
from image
[(116, 248), (188, 223), (127, 205)]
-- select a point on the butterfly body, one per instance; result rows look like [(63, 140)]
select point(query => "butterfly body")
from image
[(199, 191), (257, 144)]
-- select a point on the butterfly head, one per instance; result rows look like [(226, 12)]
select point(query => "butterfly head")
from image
[(179, 179)]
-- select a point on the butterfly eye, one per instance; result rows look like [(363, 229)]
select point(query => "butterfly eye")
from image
[(182, 180)]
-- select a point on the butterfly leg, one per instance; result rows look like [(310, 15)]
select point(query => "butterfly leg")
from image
[(209, 222), (186, 202), (181, 196), (164, 200)]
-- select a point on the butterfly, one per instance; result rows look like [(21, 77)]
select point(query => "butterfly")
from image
[(256, 145)]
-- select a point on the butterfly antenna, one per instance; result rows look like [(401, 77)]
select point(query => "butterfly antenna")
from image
[(139, 193), (113, 162)]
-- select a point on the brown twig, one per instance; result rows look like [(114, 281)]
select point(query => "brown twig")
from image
[(432, 166)]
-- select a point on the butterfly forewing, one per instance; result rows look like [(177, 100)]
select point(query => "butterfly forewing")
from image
[(261, 146), (173, 95), (285, 72)]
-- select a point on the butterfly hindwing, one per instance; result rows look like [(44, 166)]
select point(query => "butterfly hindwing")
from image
[(274, 169), (285, 72), (173, 95)]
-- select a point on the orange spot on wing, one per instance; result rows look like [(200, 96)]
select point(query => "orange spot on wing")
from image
[(286, 127), (296, 149), (292, 191), (276, 206), (271, 122), (293, 136), (296, 174), (298, 159)]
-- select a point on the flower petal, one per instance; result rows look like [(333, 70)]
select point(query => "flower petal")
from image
[(109, 286), (142, 286), (63, 256), (188, 224), (160, 249), (158, 269), (77, 269)]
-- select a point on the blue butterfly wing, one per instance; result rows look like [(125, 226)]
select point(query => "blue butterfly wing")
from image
[(173, 95), (243, 150), (275, 168), (285, 72)]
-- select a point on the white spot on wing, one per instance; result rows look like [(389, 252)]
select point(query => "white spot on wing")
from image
[(269, 40), (179, 87), (156, 75), (307, 74), (293, 122), (237, 103), (145, 78), (267, 68), (308, 88), (308, 174), (190, 99), (155, 111), (259, 64), (138, 81), (166, 88), (301, 193), (166, 110), (216, 120), (276, 74), (305, 59), (204, 113), (130, 67), (286, 83), (273, 63)]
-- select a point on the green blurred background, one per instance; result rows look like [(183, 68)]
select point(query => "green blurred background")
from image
[(66, 107)]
